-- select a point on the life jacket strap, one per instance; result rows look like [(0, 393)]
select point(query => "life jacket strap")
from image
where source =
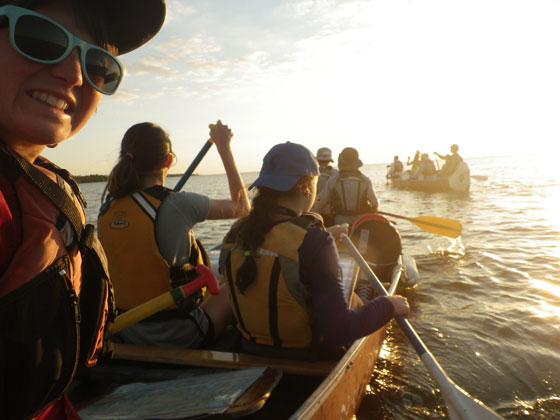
[(273, 303)]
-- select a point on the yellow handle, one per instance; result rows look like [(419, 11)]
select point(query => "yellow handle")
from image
[(211, 127), (175, 296), (141, 312)]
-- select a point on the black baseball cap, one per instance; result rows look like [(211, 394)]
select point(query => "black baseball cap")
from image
[(132, 23)]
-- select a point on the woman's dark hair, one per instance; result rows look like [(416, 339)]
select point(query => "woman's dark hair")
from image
[(90, 13), (145, 148), (253, 228)]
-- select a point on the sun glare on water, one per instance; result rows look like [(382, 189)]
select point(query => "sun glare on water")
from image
[(546, 308)]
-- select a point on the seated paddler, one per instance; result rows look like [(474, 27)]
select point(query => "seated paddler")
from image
[(147, 232), (349, 193), (282, 269)]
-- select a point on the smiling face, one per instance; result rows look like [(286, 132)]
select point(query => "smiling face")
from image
[(42, 104)]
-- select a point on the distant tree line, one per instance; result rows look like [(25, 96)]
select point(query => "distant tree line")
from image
[(82, 179)]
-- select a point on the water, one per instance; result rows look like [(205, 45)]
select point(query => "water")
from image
[(487, 306)]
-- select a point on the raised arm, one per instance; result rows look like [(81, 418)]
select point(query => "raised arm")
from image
[(239, 205)]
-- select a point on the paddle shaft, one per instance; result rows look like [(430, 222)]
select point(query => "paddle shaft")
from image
[(462, 405), (193, 165), (403, 322), (412, 219), (173, 297)]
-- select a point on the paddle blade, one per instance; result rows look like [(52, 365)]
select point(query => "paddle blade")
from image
[(466, 407), (439, 225)]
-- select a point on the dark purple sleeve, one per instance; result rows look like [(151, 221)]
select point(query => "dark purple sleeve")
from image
[(338, 324)]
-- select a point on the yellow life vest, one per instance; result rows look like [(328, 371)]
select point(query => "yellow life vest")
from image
[(126, 228), (275, 308)]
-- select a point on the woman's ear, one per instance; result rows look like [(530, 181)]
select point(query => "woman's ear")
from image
[(169, 160)]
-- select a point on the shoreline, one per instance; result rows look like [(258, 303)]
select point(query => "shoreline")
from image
[(84, 179)]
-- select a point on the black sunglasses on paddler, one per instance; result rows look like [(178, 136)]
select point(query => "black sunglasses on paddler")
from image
[(43, 40)]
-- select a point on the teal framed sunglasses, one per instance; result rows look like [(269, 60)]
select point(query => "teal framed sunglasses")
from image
[(41, 39)]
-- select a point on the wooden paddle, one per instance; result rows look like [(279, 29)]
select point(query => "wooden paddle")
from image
[(438, 225), (174, 296), (460, 405), (195, 162)]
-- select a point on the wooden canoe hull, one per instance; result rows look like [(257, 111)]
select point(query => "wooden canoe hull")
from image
[(341, 393), (331, 390)]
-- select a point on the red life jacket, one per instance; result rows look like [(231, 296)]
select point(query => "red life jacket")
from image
[(9, 223), (55, 294)]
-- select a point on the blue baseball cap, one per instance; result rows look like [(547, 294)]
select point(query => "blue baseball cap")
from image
[(284, 165)]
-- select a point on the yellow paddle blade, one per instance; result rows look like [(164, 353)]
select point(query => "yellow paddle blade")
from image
[(438, 225)]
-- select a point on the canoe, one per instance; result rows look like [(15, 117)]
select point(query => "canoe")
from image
[(148, 383), (459, 181)]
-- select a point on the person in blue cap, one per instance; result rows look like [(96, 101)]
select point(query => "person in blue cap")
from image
[(282, 269)]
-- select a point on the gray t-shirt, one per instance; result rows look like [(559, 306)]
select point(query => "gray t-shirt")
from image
[(177, 216)]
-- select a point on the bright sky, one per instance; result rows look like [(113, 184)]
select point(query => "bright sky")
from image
[(385, 76)]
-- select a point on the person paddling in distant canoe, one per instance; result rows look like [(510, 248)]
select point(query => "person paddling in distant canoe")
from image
[(57, 60), (395, 168), (282, 250), (451, 161), (147, 232), (414, 162), (350, 193), (427, 168)]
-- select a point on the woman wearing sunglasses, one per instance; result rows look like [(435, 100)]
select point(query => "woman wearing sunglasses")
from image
[(57, 58)]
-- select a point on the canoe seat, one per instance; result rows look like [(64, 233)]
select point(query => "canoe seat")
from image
[(217, 359)]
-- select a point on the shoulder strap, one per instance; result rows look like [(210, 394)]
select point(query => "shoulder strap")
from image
[(308, 220), (157, 192), (64, 174), (51, 190), (363, 177), (145, 205)]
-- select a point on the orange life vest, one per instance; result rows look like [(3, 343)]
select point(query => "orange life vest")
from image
[(126, 228)]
